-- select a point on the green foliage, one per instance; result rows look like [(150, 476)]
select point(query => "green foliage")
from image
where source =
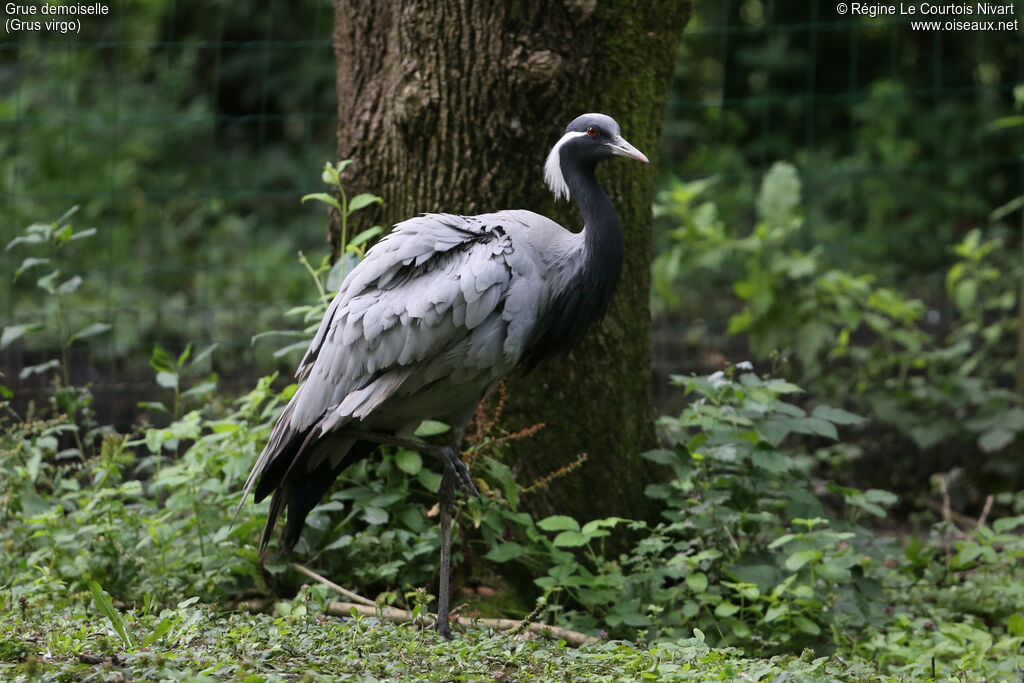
[(863, 345), (328, 278), (185, 130), (50, 243)]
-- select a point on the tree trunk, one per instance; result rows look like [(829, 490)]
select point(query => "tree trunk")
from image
[(453, 106)]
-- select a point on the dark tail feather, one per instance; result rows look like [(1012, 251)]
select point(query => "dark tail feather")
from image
[(306, 491)]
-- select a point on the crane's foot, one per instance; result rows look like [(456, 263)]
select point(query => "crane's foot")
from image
[(443, 627), (457, 470)]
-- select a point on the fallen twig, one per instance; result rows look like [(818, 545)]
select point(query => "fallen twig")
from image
[(355, 597), (574, 638)]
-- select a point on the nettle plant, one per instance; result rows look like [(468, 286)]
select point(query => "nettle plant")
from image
[(50, 243), (748, 554), (326, 277)]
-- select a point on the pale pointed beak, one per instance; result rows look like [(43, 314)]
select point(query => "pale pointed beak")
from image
[(622, 148)]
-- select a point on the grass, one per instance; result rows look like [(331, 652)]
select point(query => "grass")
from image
[(69, 639)]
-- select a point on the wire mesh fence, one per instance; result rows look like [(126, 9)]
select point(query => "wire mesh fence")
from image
[(186, 132)]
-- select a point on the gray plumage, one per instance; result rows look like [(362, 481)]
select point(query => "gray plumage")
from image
[(437, 312)]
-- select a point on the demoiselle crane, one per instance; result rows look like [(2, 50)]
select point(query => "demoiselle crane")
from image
[(437, 313)]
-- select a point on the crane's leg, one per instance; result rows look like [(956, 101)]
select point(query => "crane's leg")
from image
[(455, 473), (447, 501)]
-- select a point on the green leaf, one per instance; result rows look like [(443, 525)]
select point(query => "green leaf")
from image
[(431, 481), (726, 609), (559, 523), (836, 415), (1015, 625), (365, 235), (807, 626), (506, 552), (594, 525), (571, 539), (82, 234), (409, 462), (202, 355), (14, 332), (431, 428), (201, 388), (662, 456), (37, 369), (29, 262), (800, 558), (70, 285), (90, 331), (106, 607), (833, 572), (48, 283), (361, 201), (698, 582), (183, 356), (161, 629), (168, 380), (996, 439), (322, 197), (160, 359), (375, 515)]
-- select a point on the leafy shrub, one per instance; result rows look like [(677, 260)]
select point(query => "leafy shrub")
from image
[(865, 346)]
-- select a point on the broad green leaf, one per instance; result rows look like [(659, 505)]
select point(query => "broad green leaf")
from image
[(375, 515), (362, 200), (70, 285), (29, 262), (807, 626), (698, 582), (662, 456), (160, 359), (996, 439), (505, 552), (168, 380), (366, 235), (202, 355), (431, 428), (430, 480), (37, 369), (200, 389), (322, 197), (800, 558), (833, 572), (161, 629), (106, 608), (726, 609), (90, 331), (14, 332), (409, 462), (570, 539), (606, 523), (837, 415), (559, 523)]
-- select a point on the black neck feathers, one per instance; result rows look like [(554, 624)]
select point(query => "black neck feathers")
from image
[(584, 301)]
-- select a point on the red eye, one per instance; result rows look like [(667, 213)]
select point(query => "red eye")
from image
[(592, 132)]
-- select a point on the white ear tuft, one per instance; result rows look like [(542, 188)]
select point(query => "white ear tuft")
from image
[(553, 167)]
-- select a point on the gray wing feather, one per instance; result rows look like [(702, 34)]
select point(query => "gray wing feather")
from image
[(440, 297), (433, 292)]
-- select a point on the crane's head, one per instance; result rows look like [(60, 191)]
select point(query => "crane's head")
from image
[(587, 140)]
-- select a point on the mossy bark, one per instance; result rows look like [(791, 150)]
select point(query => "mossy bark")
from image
[(453, 106)]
